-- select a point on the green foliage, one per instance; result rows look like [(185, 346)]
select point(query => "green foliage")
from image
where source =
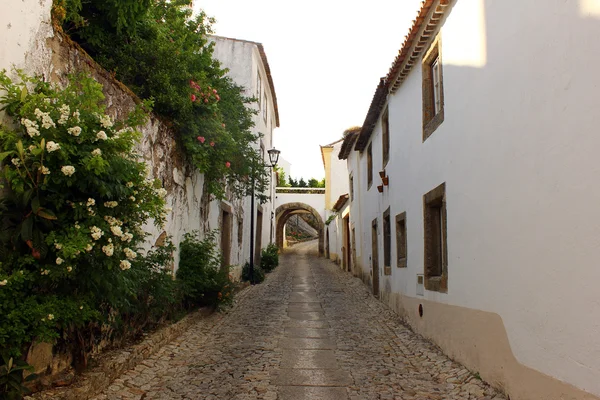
[(281, 181), (259, 274), (331, 218), (202, 279), (162, 53), (75, 200), (12, 379), (269, 258), (312, 183)]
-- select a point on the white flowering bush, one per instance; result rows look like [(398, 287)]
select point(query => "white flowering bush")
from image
[(75, 198)]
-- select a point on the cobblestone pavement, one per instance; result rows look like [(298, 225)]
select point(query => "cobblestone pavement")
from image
[(310, 331)]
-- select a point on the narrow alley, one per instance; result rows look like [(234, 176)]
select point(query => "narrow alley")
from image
[(310, 331)]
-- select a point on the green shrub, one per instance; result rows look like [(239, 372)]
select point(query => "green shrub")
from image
[(259, 274), (201, 278), (269, 258), (75, 199), (161, 52), (12, 380)]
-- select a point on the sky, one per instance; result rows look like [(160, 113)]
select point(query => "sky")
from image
[(326, 58)]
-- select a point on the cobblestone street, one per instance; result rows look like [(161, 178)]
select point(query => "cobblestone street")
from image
[(310, 331)]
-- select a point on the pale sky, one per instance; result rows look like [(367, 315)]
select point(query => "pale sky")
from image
[(326, 58)]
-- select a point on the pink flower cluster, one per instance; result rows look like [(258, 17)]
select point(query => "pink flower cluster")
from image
[(210, 94)]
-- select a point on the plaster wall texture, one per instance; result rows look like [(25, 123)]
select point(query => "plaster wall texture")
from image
[(520, 186), (339, 174), (24, 27)]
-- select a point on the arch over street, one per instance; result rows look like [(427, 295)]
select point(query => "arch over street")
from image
[(285, 211)]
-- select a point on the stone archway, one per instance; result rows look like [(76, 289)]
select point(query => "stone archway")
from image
[(285, 211)]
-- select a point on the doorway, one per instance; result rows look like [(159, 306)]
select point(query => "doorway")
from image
[(375, 258), (348, 249), (258, 241), (225, 237)]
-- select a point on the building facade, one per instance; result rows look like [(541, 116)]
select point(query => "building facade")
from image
[(248, 67), (473, 188)]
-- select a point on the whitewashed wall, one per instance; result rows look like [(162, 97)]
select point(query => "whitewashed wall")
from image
[(518, 153)]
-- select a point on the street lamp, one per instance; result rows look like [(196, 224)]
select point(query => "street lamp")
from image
[(273, 158)]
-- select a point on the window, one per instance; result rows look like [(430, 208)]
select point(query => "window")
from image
[(265, 107), (387, 243), (436, 251), (433, 90), (369, 165), (351, 187), (385, 137), (401, 241), (436, 79), (258, 89)]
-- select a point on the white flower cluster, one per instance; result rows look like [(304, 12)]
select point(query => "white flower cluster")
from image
[(45, 117), (76, 115), (45, 170), (106, 122), (110, 204), (89, 247), (16, 162), (112, 220), (125, 265), (3, 282), (109, 249), (162, 192), (58, 246), (52, 146), (96, 232), (31, 126), (101, 135), (129, 253), (59, 261), (50, 317), (75, 131), (127, 237), (64, 114), (116, 230), (69, 269), (90, 202), (97, 152), (68, 170), (45, 272)]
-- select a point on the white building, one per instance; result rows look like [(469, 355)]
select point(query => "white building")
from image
[(475, 185), (248, 67)]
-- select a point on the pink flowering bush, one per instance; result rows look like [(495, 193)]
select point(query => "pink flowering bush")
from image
[(75, 198)]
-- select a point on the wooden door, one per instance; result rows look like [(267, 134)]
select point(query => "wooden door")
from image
[(375, 258)]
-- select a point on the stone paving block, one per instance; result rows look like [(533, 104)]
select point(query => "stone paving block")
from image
[(304, 307), (307, 333), (312, 377), (311, 393), (303, 297), (306, 343), (294, 323), (308, 359), (307, 315)]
